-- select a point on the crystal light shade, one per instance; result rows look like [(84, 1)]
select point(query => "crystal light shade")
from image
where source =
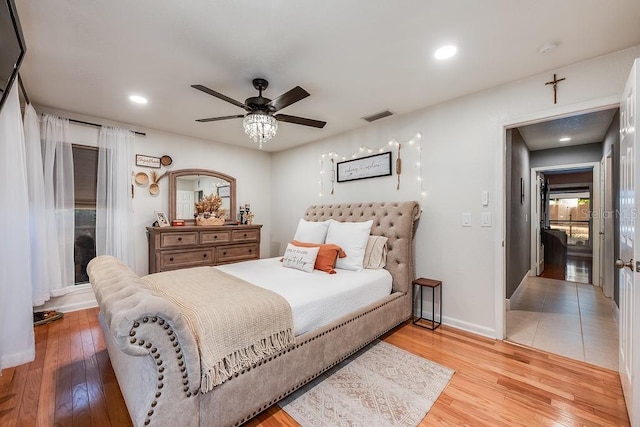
[(260, 127)]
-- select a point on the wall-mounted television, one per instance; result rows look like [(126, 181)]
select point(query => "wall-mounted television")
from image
[(12, 47)]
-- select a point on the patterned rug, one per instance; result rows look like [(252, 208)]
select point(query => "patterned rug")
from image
[(382, 385)]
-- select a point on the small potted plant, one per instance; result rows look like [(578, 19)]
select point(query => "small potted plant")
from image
[(208, 212)]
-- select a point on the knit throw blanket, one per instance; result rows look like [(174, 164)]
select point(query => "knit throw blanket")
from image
[(236, 324)]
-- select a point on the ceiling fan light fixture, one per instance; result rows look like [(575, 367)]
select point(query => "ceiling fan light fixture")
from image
[(260, 127)]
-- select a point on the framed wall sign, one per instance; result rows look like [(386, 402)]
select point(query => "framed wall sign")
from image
[(224, 191), (147, 161), (365, 167)]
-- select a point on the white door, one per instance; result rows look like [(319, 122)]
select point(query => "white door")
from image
[(537, 219), (608, 225), (629, 357), (185, 201)]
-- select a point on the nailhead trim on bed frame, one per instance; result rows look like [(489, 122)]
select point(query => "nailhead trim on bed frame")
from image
[(153, 352)]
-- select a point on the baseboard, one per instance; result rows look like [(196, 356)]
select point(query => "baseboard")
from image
[(517, 292), (469, 327), (79, 298)]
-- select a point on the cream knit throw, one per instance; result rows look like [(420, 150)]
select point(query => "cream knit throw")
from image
[(236, 324)]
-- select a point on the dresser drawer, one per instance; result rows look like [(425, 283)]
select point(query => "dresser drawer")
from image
[(237, 253), (208, 237), (245, 235), (181, 259), (168, 240)]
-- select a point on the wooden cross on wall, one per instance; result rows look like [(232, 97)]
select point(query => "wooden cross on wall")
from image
[(555, 82)]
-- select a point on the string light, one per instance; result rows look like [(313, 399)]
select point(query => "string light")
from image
[(414, 142)]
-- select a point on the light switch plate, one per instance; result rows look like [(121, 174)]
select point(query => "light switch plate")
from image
[(485, 219), (466, 220), (485, 198)]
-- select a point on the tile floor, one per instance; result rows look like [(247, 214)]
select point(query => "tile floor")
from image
[(567, 318)]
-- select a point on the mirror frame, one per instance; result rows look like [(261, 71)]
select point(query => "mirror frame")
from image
[(173, 175)]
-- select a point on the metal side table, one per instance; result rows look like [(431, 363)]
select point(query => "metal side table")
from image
[(434, 285)]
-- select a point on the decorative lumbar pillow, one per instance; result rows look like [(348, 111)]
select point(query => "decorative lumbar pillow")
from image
[(375, 254), (312, 232), (327, 255), (352, 237), (300, 258)]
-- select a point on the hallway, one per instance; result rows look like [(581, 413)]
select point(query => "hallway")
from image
[(571, 319)]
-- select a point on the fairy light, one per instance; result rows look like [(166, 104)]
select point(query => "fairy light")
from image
[(415, 143)]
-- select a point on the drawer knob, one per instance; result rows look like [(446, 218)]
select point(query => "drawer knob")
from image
[(224, 253), (179, 239), (171, 259), (245, 235), (249, 250), (215, 236), (204, 255)]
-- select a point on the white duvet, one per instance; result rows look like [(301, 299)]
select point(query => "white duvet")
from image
[(316, 298)]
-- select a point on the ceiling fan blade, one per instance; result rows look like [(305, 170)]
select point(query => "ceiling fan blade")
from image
[(215, 119), (288, 98), (300, 120), (219, 95)]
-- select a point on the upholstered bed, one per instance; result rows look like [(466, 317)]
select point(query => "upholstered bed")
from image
[(156, 357)]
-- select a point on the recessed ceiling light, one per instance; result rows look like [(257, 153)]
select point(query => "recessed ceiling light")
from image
[(445, 52), (138, 99), (564, 139)]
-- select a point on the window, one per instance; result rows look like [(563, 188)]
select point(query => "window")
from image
[(571, 213), (85, 175)]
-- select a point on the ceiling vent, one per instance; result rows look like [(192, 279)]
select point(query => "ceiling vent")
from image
[(378, 116)]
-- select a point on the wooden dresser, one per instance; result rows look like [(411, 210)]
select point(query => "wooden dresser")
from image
[(172, 248)]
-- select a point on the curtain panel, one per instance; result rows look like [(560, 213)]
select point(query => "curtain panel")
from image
[(57, 158), (43, 266), (114, 207), (16, 314)]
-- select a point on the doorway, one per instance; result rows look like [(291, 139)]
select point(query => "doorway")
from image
[(566, 312)]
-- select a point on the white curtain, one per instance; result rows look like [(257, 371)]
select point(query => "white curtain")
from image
[(114, 210), (16, 315), (57, 157), (43, 266)]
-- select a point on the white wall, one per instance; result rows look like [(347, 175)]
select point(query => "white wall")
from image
[(251, 168), (462, 155)]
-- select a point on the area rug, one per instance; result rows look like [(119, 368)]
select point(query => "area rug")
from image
[(381, 386)]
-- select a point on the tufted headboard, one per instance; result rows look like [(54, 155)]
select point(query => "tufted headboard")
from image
[(393, 220)]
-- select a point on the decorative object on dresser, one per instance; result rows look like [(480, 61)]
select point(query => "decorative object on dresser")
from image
[(209, 212), (187, 187), (172, 248)]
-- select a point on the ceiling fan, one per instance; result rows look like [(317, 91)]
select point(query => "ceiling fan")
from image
[(260, 122)]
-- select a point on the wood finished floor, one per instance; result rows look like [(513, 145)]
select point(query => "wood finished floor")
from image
[(71, 382), (577, 269)]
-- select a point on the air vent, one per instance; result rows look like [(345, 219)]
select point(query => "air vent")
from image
[(378, 116)]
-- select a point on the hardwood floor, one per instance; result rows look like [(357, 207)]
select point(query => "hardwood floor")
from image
[(577, 269), (71, 382)]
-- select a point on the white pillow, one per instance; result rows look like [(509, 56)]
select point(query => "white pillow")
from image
[(311, 232), (375, 254), (300, 258), (352, 237)]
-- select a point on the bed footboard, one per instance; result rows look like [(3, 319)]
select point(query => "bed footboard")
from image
[(152, 350)]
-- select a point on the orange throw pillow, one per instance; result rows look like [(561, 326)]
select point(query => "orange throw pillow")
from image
[(327, 255)]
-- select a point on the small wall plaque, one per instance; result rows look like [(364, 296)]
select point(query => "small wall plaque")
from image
[(147, 161)]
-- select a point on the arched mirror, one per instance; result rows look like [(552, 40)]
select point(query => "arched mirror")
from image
[(189, 186)]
